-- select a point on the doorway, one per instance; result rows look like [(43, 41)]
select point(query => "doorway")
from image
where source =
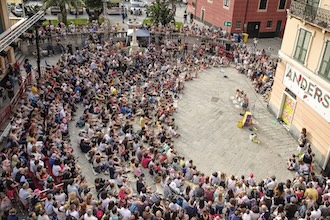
[(253, 29), (278, 29), (202, 14), (288, 108)]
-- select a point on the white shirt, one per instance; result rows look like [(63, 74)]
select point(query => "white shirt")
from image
[(56, 170), (315, 214), (125, 213), (105, 203), (74, 213), (86, 217), (23, 195)]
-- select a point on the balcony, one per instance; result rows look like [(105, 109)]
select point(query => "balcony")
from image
[(314, 15)]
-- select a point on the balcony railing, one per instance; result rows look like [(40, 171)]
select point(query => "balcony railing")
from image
[(315, 15)]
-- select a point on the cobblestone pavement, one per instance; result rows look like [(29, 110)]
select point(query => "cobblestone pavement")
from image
[(207, 119)]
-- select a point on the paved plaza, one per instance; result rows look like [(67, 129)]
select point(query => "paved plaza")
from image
[(207, 120)]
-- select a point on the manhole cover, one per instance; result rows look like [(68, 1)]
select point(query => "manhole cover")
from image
[(214, 99)]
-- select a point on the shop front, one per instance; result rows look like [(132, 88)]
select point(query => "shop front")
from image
[(305, 103)]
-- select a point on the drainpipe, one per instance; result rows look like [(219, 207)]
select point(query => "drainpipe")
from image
[(245, 15)]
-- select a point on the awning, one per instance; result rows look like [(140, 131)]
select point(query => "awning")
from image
[(139, 33), (14, 1), (114, 1)]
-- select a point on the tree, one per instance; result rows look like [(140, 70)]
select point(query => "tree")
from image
[(59, 3), (94, 9), (31, 10), (160, 11), (173, 6)]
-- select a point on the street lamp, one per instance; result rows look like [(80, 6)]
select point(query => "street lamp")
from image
[(104, 9), (37, 26)]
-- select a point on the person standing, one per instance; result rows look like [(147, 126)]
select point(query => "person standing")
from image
[(27, 66), (255, 43), (123, 13), (191, 18), (302, 140), (185, 15), (10, 89), (245, 104)]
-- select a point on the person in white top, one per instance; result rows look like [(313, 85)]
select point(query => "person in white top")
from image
[(315, 212), (125, 212), (89, 215), (24, 193)]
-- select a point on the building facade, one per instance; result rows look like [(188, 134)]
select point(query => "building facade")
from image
[(258, 18), (7, 53), (301, 91)]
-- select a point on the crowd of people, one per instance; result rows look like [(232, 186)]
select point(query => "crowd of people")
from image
[(124, 105)]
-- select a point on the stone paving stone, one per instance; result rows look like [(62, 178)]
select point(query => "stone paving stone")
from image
[(207, 121)]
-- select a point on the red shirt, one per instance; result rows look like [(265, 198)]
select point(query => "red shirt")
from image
[(145, 161), (122, 196)]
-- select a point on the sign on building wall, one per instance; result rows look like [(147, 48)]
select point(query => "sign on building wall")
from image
[(307, 90), (288, 109)]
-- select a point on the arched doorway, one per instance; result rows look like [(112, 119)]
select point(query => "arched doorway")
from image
[(202, 13)]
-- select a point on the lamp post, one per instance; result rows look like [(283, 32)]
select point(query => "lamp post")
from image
[(104, 9), (37, 26), (38, 51)]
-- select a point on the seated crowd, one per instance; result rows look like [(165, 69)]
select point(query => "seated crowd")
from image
[(127, 105)]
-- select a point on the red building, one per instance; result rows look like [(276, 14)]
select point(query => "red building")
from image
[(258, 18)]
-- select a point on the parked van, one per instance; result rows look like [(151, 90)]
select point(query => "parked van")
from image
[(54, 10), (76, 7)]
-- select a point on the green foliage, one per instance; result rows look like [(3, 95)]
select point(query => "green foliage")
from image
[(94, 8), (77, 21), (147, 22), (31, 10), (178, 24), (161, 11), (61, 4), (94, 4)]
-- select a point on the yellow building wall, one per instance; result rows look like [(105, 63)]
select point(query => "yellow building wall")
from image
[(318, 128), (278, 87), (325, 4), (4, 14), (304, 116), (289, 37)]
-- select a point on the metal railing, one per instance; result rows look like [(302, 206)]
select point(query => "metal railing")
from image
[(312, 14), (14, 34)]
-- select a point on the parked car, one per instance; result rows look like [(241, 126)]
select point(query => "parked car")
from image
[(135, 9), (76, 9), (17, 10), (54, 10), (141, 3)]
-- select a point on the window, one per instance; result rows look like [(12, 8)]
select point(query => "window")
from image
[(302, 45), (210, 1), (281, 5), (269, 24), (238, 24), (313, 3), (262, 4), (324, 70), (226, 3)]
